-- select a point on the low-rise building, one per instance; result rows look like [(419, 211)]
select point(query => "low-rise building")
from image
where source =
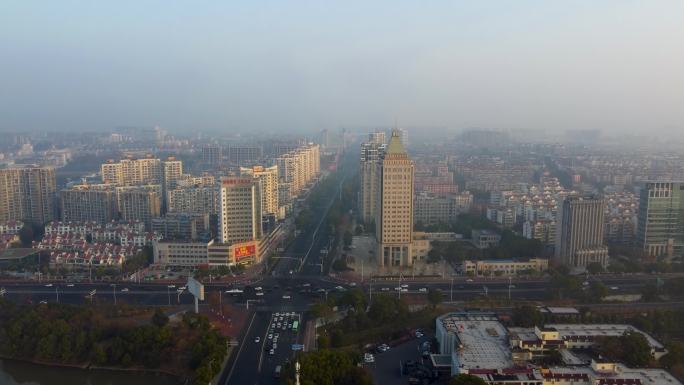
[(479, 345), (504, 267), (484, 239)]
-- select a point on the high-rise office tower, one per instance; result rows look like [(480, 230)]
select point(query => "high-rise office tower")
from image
[(394, 214), (141, 203), (579, 232), (82, 203), (239, 210), (27, 193), (268, 176), (660, 229), (371, 153)]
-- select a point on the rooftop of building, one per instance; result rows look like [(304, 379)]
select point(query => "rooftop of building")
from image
[(482, 340), (600, 330), (621, 375)]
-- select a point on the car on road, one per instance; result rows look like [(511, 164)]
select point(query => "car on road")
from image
[(469, 280), (258, 288), (419, 335), (275, 346), (43, 302), (382, 348), (48, 285), (277, 335), (279, 325), (287, 296), (70, 285), (368, 358), (423, 290), (404, 290), (384, 289), (398, 288), (171, 286), (306, 285), (270, 336), (124, 290), (271, 352), (183, 288), (614, 288), (257, 340), (404, 286), (259, 293), (353, 284)]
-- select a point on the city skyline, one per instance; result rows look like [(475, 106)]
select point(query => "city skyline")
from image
[(218, 67)]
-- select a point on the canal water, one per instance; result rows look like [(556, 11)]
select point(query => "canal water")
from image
[(23, 373)]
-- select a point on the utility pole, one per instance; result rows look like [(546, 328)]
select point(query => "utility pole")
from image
[(451, 290), (509, 287), (361, 270), (168, 293), (57, 293), (400, 285), (114, 292)]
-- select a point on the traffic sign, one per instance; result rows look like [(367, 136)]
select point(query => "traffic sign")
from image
[(2, 292), (297, 347), (92, 292)]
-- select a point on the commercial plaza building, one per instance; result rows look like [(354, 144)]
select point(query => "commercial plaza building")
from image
[(660, 230)]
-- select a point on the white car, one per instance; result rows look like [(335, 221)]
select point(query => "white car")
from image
[(257, 340), (404, 290), (172, 286), (271, 352), (124, 290), (339, 288), (260, 293), (275, 346), (287, 296), (384, 289), (270, 336), (398, 288), (183, 288), (43, 302), (404, 286), (423, 290), (48, 285), (614, 288), (70, 285), (258, 288), (469, 280), (353, 284)]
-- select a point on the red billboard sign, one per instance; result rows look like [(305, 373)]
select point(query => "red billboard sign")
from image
[(244, 251)]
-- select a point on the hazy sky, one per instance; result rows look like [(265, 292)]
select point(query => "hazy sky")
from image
[(266, 65)]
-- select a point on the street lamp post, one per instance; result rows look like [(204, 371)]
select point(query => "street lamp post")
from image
[(451, 290), (509, 287), (168, 293), (57, 293), (114, 292)]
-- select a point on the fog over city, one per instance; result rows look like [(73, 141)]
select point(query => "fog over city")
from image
[(298, 66)]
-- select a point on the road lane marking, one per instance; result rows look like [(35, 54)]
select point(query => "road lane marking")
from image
[(242, 345), (261, 356)]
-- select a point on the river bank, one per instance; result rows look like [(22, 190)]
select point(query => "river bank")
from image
[(20, 372)]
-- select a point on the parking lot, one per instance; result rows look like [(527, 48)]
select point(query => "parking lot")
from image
[(387, 366)]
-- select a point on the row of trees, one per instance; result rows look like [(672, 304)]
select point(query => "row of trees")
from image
[(328, 367), (77, 335)]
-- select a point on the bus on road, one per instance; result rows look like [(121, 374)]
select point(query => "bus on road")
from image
[(295, 326)]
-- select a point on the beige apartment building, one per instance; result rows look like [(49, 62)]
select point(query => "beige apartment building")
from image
[(268, 176), (394, 217), (86, 203), (579, 232), (141, 203), (27, 193), (299, 166)]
